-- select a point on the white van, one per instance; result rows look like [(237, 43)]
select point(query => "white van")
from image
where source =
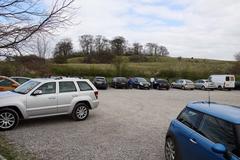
[(223, 81)]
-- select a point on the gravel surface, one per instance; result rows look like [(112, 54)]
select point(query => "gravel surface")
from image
[(129, 124)]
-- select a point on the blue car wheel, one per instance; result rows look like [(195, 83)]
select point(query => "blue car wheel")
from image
[(170, 149)]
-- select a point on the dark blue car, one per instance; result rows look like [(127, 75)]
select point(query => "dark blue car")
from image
[(139, 83), (204, 131)]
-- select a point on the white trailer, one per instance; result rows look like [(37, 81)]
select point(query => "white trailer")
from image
[(223, 81)]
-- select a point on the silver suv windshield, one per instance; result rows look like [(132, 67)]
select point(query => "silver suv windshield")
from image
[(26, 87)]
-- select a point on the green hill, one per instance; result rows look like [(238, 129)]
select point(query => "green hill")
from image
[(164, 67)]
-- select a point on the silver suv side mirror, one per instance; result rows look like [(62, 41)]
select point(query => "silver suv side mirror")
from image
[(37, 92)]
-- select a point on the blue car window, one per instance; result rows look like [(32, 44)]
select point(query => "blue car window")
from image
[(219, 131), (190, 118)]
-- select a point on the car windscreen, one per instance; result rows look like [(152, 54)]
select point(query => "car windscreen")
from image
[(100, 79), (141, 80), (162, 81), (121, 79), (26, 87)]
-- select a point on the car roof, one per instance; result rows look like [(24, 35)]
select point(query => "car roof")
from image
[(100, 77), (221, 75), (202, 80), (20, 77), (58, 79), (119, 77), (228, 113)]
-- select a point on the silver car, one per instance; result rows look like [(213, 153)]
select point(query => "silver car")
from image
[(47, 97), (183, 84), (204, 84)]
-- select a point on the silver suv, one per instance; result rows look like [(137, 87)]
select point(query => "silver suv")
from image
[(47, 97)]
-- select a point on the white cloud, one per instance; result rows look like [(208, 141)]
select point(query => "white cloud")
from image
[(200, 28)]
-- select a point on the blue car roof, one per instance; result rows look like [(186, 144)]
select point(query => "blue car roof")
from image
[(228, 113)]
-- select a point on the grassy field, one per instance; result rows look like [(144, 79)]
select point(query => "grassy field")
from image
[(9, 151), (164, 67)]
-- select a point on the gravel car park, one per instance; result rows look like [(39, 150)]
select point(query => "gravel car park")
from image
[(128, 124)]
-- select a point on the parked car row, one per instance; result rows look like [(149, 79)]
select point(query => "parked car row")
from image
[(214, 82)]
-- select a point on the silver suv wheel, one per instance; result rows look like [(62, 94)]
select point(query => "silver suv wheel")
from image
[(8, 119), (80, 112)]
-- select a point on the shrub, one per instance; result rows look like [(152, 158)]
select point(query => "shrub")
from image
[(102, 57), (60, 59), (7, 69), (138, 58)]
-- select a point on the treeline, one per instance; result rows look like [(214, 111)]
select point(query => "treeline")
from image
[(99, 49)]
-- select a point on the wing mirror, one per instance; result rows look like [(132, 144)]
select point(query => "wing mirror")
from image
[(219, 148), (37, 92)]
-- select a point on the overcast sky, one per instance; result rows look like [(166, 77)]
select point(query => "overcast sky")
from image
[(188, 28)]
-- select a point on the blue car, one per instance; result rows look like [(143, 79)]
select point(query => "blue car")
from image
[(139, 83), (204, 131)]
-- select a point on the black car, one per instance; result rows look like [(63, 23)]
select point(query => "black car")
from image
[(100, 83), (161, 84), (139, 83), (119, 82), (237, 85)]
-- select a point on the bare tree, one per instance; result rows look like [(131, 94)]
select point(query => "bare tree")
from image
[(101, 44), (118, 45), (163, 51), (155, 49), (21, 20), (237, 56), (86, 43), (63, 48), (137, 48), (151, 48), (42, 46)]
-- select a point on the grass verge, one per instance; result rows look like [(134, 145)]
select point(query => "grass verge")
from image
[(9, 151)]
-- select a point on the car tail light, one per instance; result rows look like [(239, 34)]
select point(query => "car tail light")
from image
[(96, 94)]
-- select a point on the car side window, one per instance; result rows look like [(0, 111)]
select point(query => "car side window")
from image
[(21, 81), (67, 86), (232, 79), (5, 83), (84, 86), (219, 131), (48, 88), (190, 118), (227, 78)]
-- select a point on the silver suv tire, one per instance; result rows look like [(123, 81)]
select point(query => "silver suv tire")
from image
[(9, 119), (80, 112)]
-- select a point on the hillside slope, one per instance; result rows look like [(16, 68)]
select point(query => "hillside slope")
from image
[(165, 67)]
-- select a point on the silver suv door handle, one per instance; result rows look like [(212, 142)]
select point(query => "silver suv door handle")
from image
[(75, 95), (193, 141)]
